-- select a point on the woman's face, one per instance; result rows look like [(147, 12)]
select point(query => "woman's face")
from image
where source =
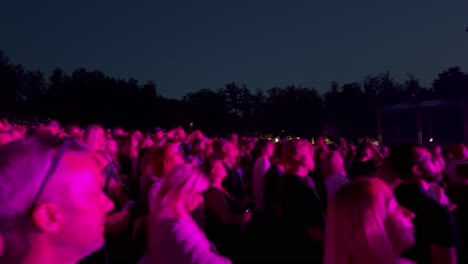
[(218, 171), (111, 147), (398, 226)]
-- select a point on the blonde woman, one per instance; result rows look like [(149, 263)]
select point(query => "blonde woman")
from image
[(333, 172), (366, 225), (174, 237)]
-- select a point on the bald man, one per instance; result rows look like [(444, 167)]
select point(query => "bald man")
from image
[(52, 205)]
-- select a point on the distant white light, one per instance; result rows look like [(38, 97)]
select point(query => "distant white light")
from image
[(431, 139)]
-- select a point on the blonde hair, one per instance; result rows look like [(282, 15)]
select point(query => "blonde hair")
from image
[(355, 224), (90, 135), (329, 167), (299, 153), (182, 182)]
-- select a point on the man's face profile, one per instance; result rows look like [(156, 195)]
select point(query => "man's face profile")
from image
[(427, 169), (87, 205)]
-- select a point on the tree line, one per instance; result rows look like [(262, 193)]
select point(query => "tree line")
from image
[(85, 97)]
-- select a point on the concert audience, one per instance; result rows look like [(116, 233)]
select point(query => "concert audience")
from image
[(69, 195)]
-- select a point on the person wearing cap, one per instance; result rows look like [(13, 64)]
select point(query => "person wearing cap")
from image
[(52, 205)]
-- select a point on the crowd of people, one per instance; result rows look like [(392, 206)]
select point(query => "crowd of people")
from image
[(95, 195)]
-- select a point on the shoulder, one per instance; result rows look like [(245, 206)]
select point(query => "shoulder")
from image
[(176, 227)]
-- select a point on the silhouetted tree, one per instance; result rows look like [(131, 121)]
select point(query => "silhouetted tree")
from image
[(85, 96)]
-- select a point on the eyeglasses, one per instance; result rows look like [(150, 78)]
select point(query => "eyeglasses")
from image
[(65, 143)]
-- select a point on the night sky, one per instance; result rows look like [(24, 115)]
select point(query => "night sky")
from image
[(188, 45)]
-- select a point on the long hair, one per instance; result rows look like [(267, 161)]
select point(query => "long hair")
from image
[(355, 224), (330, 166), (181, 184)]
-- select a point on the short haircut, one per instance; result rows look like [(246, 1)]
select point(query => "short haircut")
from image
[(23, 166), (402, 159), (181, 183)]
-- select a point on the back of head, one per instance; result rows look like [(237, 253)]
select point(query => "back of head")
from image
[(355, 223), (198, 145), (54, 125), (332, 163), (182, 183), (460, 151), (260, 145), (386, 173), (300, 154), (73, 131), (402, 159), (160, 161)]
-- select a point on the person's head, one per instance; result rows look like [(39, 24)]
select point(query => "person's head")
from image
[(320, 142), (215, 170), (118, 131), (182, 190), (130, 144), (111, 148), (385, 151), (54, 126), (386, 173), (177, 134), (365, 224), (332, 164), (146, 142), (300, 158), (264, 148), (209, 151), (277, 157), (16, 134), (94, 137), (226, 151), (319, 154), (434, 149), (73, 131), (199, 147), (165, 159), (414, 163), (363, 152), (157, 134), (234, 138), (460, 152), (51, 200), (5, 137)]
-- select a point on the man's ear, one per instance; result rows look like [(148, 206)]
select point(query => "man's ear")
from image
[(48, 217), (416, 170)]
